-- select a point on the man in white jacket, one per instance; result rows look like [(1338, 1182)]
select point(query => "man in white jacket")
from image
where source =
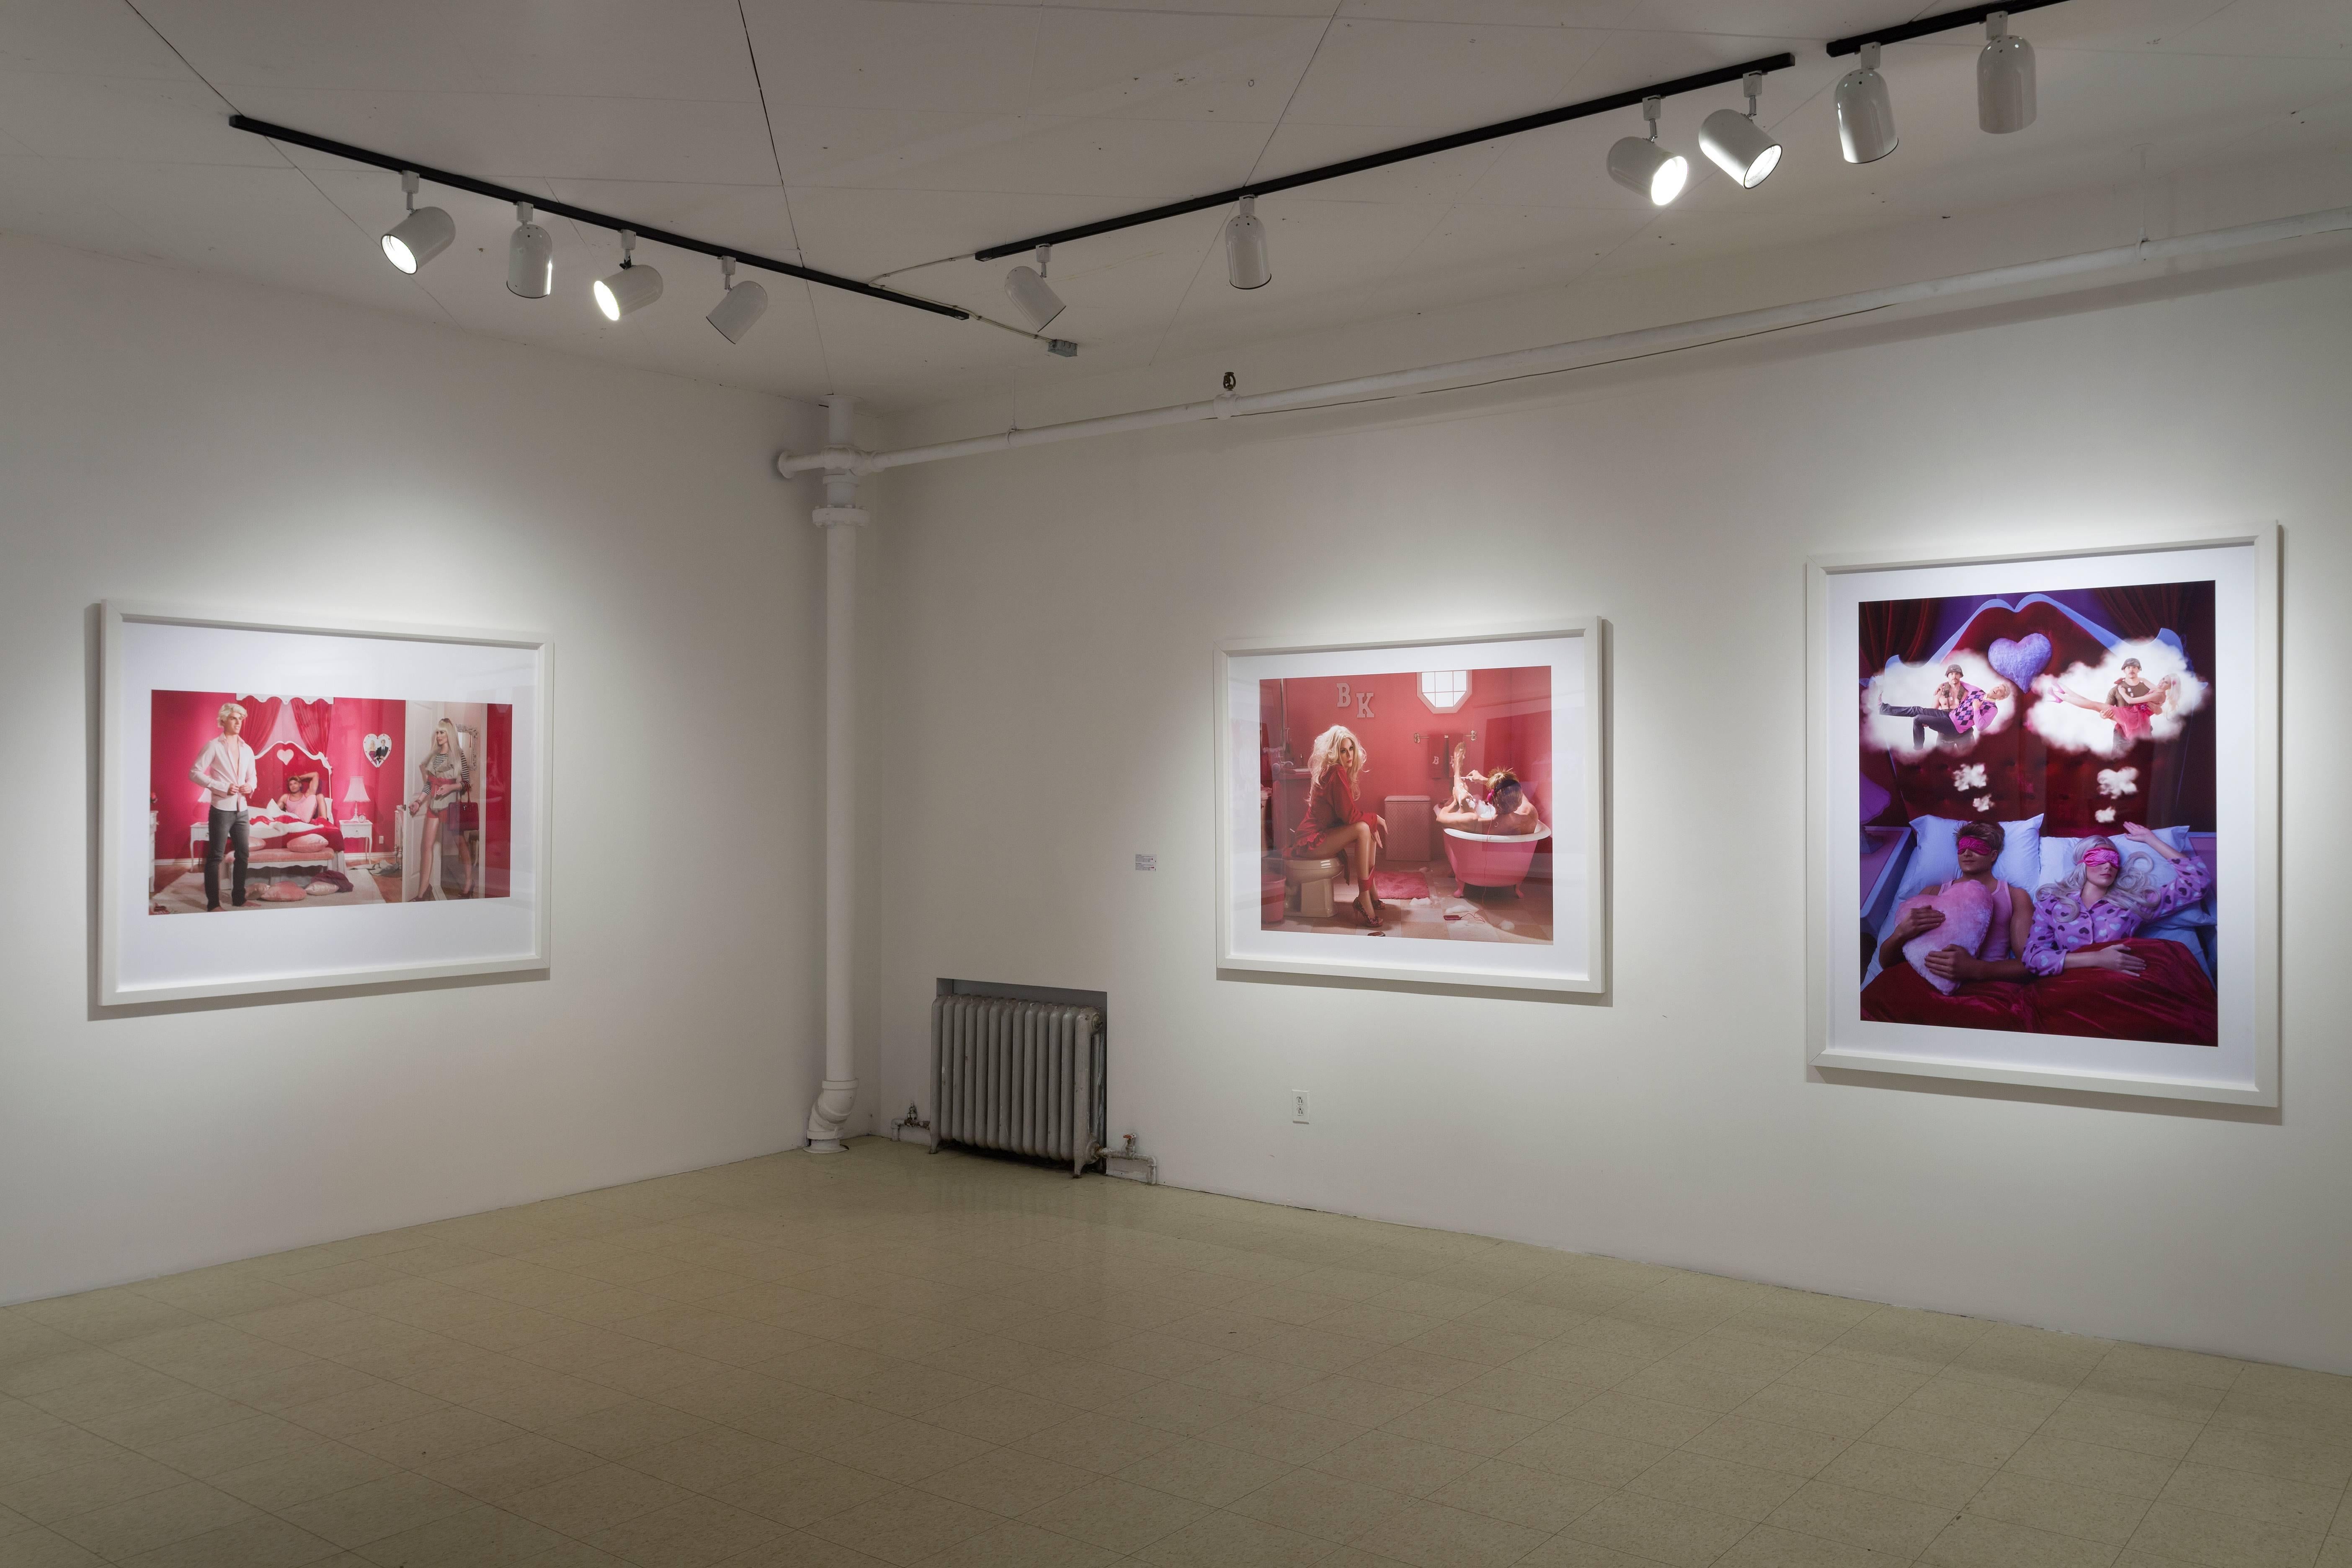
[(225, 767)]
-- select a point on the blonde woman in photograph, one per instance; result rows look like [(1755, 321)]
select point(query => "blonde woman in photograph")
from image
[(443, 778), (1334, 824)]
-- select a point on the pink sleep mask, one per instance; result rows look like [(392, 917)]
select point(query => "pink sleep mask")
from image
[(1972, 843), (2101, 855)]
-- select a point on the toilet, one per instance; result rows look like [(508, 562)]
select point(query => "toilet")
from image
[(1311, 880)]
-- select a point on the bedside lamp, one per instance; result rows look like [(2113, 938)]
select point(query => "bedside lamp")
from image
[(355, 795)]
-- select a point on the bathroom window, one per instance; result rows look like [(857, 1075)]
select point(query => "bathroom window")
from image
[(1443, 691)]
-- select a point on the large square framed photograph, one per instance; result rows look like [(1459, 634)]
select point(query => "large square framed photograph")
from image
[(1426, 810), (291, 805), (2044, 817)]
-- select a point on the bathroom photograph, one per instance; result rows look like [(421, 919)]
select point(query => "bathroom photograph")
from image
[(1414, 805)]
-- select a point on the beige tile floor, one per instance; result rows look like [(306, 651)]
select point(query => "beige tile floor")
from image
[(897, 1358)]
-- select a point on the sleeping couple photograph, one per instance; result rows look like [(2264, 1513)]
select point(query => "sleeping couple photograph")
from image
[(259, 801), (2038, 806), (1408, 805)]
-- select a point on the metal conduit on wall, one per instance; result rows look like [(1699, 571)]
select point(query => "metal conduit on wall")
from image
[(1584, 351)]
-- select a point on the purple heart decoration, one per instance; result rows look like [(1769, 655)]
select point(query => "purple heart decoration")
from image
[(2021, 661)]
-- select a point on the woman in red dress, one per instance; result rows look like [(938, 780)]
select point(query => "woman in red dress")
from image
[(1333, 825)]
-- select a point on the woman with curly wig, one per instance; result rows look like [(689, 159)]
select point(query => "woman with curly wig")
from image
[(1334, 824)]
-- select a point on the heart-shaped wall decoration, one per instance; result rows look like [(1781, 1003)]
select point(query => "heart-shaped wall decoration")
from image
[(378, 748), (285, 756), (2021, 660)]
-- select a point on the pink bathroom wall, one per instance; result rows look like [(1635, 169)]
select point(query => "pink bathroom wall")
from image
[(1508, 706)]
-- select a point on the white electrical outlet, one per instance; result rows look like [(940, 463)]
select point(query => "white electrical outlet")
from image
[(1298, 1105)]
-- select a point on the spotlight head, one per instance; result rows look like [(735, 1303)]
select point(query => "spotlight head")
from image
[(1247, 263), (1866, 114), (420, 237), (1027, 289), (530, 257), (2004, 79), (738, 307), (632, 288), (1736, 144), (1639, 164)]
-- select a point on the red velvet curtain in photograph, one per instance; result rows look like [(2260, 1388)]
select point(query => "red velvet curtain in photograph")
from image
[(1890, 629), (2180, 783)]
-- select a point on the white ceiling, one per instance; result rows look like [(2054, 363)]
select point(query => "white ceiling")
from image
[(873, 136)]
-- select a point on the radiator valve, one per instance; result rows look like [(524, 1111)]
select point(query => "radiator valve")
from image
[(1124, 1161)]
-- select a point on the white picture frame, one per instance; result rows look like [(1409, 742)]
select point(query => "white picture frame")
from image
[(2242, 1066), (1574, 960), (146, 650)]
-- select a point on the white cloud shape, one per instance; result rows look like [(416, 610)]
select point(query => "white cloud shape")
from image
[(1914, 686), (2072, 727), (1972, 776), (2117, 782)]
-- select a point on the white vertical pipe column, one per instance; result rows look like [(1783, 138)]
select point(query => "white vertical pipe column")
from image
[(840, 518)]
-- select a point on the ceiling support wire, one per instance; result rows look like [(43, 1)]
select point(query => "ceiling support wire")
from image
[(162, 38), (783, 193)]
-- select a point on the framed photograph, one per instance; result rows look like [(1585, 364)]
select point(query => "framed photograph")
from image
[(341, 803), (1424, 811), (2044, 817)]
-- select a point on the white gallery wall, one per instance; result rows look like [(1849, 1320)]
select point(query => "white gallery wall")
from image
[(1040, 713), (171, 438)]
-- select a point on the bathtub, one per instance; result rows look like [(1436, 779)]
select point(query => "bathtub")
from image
[(1485, 860)]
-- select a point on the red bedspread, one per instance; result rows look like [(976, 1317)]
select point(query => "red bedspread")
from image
[(2171, 1001)]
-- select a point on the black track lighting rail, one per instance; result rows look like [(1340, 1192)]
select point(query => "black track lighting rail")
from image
[(1941, 22), (1585, 109), (588, 216)]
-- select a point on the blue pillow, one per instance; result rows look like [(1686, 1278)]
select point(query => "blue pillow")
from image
[(1934, 861)]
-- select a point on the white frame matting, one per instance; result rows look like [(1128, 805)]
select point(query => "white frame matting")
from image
[(145, 958), (2243, 1068), (1576, 959)]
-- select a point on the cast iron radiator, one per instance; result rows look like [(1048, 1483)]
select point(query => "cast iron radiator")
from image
[(1026, 1077)]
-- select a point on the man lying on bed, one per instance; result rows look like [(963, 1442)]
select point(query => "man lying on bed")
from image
[(300, 819), (1979, 985)]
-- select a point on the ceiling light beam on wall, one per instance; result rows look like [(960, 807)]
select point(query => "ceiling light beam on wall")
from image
[(590, 215), (1526, 123), (1941, 22)]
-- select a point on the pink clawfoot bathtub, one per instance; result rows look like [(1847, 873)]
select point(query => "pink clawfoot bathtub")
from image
[(1485, 860)]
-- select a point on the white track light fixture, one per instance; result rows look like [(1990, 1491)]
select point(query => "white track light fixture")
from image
[(1642, 165), (530, 257), (2004, 78), (632, 288), (738, 307), (1736, 144), (1247, 263), (420, 237), (1026, 287), (1866, 114)]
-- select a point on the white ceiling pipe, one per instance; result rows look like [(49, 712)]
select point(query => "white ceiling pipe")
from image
[(1590, 351)]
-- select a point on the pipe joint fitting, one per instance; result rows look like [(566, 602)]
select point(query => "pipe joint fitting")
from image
[(827, 1115)]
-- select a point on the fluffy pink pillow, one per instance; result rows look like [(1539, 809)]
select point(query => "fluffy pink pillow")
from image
[(292, 893), (307, 842), (1967, 915)]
